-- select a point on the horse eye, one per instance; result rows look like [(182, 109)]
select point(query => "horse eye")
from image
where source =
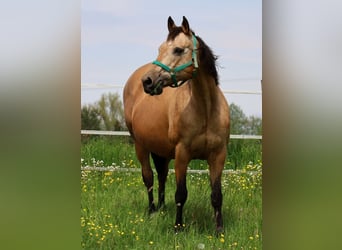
[(178, 51)]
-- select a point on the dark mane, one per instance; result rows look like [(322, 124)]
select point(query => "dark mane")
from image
[(207, 59)]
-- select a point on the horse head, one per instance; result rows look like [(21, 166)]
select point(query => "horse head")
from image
[(176, 62)]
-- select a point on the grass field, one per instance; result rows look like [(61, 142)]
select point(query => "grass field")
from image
[(114, 204), (119, 150)]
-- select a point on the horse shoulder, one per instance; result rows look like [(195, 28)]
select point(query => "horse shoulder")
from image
[(202, 135), (133, 92), (176, 108)]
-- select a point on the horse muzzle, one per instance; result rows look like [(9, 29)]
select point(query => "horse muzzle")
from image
[(153, 87)]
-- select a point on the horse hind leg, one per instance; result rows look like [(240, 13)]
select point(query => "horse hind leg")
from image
[(147, 174), (162, 167)]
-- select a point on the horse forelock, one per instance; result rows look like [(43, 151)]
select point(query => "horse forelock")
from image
[(206, 55), (175, 32)]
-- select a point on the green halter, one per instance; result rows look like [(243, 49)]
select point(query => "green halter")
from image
[(181, 67)]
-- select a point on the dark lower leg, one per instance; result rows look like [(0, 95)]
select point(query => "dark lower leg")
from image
[(161, 193), (147, 174), (180, 198), (216, 164), (181, 162), (161, 165), (216, 201), (148, 181)]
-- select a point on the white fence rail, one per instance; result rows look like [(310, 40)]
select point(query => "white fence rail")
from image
[(190, 171), (117, 86), (126, 133)]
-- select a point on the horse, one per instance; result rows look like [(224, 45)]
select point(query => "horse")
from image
[(174, 109)]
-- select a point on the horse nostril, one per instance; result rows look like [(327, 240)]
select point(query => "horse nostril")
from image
[(147, 82)]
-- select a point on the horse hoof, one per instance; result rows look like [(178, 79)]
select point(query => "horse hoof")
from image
[(219, 231), (179, 228), (152, 209), (161, 207)]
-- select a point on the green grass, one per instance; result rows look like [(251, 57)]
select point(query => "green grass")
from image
[(114, 204), (120, 151), (111, 150), (242, 152)]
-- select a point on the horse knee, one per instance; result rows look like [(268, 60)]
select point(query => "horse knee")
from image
[(148, 181)]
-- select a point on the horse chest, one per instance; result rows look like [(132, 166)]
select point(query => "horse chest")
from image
[(200, 144)]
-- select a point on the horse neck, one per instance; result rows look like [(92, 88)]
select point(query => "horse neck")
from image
[(204, 93)]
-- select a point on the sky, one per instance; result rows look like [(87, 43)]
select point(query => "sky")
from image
[(119, 36)]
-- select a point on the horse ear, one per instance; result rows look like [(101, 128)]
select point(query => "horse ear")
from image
[(185, 26), (170, 24)]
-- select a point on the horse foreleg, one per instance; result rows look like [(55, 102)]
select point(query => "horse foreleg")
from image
[(147, 174), (181, 195), (216, 202), (216, 164), (162, 167)]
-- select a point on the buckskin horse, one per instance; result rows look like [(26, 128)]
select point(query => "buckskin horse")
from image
[(174, 109)]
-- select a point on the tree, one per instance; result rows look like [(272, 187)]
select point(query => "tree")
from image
[(105, 114), (111, 112), (90, 117), (241, 124), (254, 126), (237, 119)]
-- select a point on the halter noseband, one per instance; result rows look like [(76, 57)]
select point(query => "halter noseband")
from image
[(181, 67)]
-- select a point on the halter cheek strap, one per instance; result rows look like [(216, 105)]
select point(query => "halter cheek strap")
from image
[(173, 71)]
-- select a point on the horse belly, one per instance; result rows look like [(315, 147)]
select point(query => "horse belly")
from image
[(158, 146), (152, 137)]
